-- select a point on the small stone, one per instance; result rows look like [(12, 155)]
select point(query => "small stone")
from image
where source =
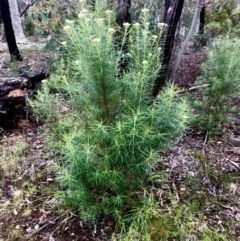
[(51, 238), (237, 217), (191, 174), (15, 212), (29, 229)]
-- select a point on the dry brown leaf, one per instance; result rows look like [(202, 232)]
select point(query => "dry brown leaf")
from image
[(24, 124), (16, 93)]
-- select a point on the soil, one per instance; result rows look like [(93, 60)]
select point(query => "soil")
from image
[(30, 211)]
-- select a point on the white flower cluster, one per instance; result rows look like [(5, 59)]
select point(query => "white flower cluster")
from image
[(126, 25), (154, 36), (145, 10), (82, 14), (162, 25), (136, 25), (66, 28), (97, 40), (99, 20), (84, 10), (111, 30), (69, 21), (68, 24), (109, 11)]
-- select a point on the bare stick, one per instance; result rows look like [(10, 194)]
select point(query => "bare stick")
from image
[(193, 88), (27, 7), (206, 138)]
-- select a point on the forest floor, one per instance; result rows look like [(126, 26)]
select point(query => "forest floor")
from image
[(201, 175)]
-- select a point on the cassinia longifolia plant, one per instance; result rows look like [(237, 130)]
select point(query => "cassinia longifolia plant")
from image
[(221, 73), (103, 119)]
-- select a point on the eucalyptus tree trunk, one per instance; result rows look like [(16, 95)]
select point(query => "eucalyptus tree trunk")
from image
[(124, 14), (171, 15), (8, 28), (16, 22), (202, 19), (186, 41)]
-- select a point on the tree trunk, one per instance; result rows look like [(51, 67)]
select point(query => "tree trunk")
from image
[(171, 16), (8, 27), (24, 10), (185, 42), (124, 14), (202, 19), (16, 22)]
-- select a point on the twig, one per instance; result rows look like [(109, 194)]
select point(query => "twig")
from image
[(44, 226), (3, 60), (206, 138), (179, 139), (60, 224), (234, 164), (176, 192), (27, 7), (193, 88)]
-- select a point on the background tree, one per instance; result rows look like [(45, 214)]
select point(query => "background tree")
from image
[(171, 15), (202, 19), (8, 27), (16, 22), (187, 39), (124, 14)]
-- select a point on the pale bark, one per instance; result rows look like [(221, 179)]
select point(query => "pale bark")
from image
[(185, 42), (16, 22)]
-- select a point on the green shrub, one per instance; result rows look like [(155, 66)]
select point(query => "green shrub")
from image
[(180, 222), (214, 29), (201, 40), (221, 72), (28, 26), (101, 119), (221, 19)]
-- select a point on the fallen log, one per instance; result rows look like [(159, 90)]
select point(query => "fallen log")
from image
[(9, 84), (13, 94)]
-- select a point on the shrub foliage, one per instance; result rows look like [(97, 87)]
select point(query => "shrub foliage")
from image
[(102, 118), (221, 72)]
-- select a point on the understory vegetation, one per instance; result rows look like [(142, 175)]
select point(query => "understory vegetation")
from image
[(220, 84), (102, 119), (148, 168)]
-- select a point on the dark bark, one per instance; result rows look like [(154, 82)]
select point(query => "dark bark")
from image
[(27, 7), (202, 19), (9, 33), (171, 16), (124, 14)]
